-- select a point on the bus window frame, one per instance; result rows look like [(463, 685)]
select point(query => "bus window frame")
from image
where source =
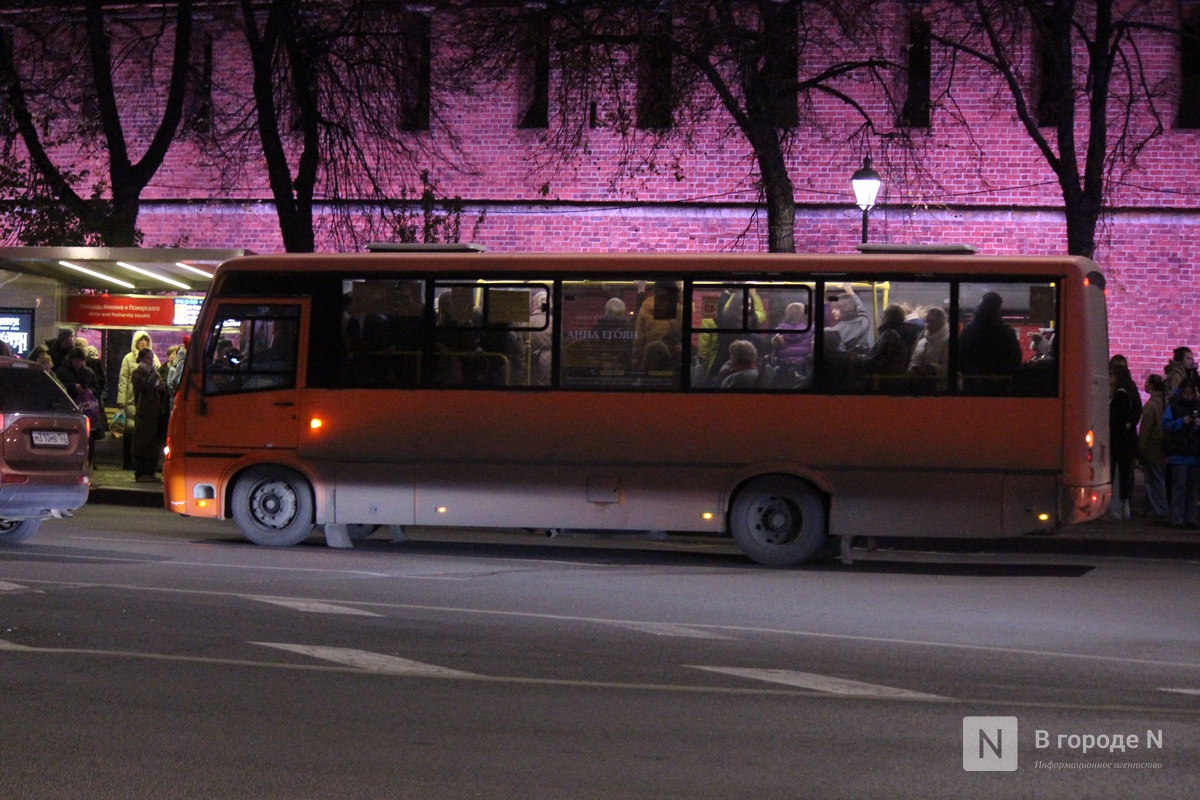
[(747, 304), (207, 365), (484, 286)]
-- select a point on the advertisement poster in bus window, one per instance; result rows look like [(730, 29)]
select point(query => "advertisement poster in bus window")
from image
[(509, 306), (598, 333)]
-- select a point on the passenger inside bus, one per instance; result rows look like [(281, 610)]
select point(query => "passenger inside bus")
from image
[(932, 353), (738, 308), (835, 364), (989, 354), (741, 370), (613, 338), (659, 320), (541, 343), (851, 323), (886, 363)]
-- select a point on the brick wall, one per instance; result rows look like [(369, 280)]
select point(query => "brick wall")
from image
[(987, 186)]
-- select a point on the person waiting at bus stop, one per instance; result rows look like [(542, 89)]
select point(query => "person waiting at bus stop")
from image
[(150, 400), (125, 398), (1124, 413), (1181, 441), (80, 383), (1150, 452)]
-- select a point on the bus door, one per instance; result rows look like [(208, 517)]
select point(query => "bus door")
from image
[(250, 376)]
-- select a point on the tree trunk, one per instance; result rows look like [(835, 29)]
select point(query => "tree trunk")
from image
[(1082, 218), (118, 228), (778, 192)]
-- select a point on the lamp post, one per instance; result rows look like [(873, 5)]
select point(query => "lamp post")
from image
[(866, 187)]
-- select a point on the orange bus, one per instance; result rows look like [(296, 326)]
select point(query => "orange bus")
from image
[(777, 399)]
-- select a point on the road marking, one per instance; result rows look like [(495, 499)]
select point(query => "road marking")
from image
[(743, 629), (1180, 691), (5, 586), (821, 683), (13, 646), (669, 629), (739, 691), (313, 606), (371, 662)]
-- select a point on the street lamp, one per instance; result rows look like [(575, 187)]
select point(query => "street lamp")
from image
[(866, 187)]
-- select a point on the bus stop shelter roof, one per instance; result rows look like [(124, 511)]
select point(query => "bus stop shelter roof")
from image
[(120, 269)]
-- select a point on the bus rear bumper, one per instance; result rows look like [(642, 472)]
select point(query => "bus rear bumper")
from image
[(1083, 503)]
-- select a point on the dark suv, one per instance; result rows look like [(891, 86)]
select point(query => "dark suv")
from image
[(44, 451)]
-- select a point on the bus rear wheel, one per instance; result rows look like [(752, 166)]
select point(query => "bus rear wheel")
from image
[(778, 521), (273, 506), (358, 532)]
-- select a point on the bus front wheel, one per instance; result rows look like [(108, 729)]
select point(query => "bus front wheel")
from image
[(778, 521), (273, 506)]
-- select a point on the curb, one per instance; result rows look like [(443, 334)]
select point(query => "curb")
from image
[(1071, 543), (116, 496)]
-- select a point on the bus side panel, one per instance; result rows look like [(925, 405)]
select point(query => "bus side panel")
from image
[(572, 496), (373, 493), (926, 504)]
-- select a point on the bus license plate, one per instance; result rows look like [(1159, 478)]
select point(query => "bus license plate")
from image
[(49, 439)]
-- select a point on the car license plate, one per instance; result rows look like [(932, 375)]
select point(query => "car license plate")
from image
[(50, 439)]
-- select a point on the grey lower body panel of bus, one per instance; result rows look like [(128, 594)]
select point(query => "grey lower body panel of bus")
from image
[(950, 504)]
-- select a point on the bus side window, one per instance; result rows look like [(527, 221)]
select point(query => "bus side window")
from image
[(381, 331), (492, 334), (760, 333), (622, 335), (1007, 341)]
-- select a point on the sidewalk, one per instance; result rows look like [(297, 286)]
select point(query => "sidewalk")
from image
[(1135, 538), (112, 485)]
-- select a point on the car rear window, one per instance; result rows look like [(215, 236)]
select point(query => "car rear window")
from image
[(31, 390)]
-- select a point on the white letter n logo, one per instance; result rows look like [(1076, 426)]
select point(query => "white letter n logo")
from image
[(990, 744)]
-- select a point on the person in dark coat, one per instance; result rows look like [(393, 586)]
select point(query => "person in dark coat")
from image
[(78, 380), (60, 347), (989, 353), (150, 398), (1124, 413)]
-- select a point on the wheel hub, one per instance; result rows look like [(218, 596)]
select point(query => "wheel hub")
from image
[(274, 505), (776, 520)]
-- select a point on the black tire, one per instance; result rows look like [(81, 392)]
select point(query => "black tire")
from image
[(273, 506), (15, 531), (359, 532), (778, 521)]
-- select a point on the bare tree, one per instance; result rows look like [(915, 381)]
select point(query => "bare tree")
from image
[(760, 63), (62, 108), (342, 98), (1077, 80)]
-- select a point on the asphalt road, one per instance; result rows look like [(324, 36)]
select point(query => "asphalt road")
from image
[(147, 656)]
